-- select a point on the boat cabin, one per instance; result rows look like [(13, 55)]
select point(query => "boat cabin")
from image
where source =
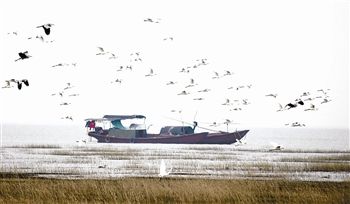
[(112, 125), (177, 130)]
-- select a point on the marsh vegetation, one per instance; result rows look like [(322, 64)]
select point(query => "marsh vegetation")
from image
[(171, 190)]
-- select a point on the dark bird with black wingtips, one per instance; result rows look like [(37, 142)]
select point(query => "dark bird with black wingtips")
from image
[(300, 102), (19, 83), (23, 55), (46, 27), (291, 105)]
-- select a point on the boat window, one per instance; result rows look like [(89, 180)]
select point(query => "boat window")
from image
[(117, 124)]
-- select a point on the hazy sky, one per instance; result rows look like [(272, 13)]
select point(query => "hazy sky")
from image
[(280, 47)]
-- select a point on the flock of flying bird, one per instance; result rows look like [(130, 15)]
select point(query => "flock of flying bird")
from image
[(188, 89), (305, 99), (25, 55)]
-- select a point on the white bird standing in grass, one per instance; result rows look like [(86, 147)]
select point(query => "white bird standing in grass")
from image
[(162, 169)]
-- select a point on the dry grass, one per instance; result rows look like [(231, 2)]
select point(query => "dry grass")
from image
[(147, 190), (328, 167), (35, 146), (327, 158)]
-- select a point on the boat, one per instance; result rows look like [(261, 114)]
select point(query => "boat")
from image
[(110, 129)]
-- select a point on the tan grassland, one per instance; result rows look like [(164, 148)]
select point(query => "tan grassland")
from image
[(19, 188)]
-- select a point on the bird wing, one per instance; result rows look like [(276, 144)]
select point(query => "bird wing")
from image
[(19, 85), (47, 30), (101, 49), (26, 82)]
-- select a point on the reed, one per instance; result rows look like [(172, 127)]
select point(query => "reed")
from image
[(327, 158), (328, 167), (166, 190), (35, 146)]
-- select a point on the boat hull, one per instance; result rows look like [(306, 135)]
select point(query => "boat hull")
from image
[(151, 138), (224, 138), (196, 138)]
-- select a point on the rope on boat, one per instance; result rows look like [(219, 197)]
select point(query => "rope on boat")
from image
[(204, 128)]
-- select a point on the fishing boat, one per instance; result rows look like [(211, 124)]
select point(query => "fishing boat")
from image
[(111, 129)]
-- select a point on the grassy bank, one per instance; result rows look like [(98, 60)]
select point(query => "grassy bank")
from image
[(155, 190)]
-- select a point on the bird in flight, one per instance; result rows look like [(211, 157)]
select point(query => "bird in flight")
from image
[(325, 100), (216, 75), (227, 102), (245, 102), (169, 38), (117, 81), (12, 33), (294, 105), (151, 73), (60, 65), (312, 108), (204, 90), (8, 83), (227, 73), (19, 83), (68, 117), (150, 20), (183, 70), (102, 51), (23, 55), (214, 124), (291, 105), (198, 99), (191, 84), (46, 27), (272, 95), (297, 124), (69, 86), (171, 83), (280, 108), (236, 109), (183, 93)]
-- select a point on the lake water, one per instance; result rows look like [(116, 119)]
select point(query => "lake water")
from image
[(258, 138), (62, 156)]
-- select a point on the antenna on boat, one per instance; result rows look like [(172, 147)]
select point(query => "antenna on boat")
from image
[(195, 115), (195, 124)]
